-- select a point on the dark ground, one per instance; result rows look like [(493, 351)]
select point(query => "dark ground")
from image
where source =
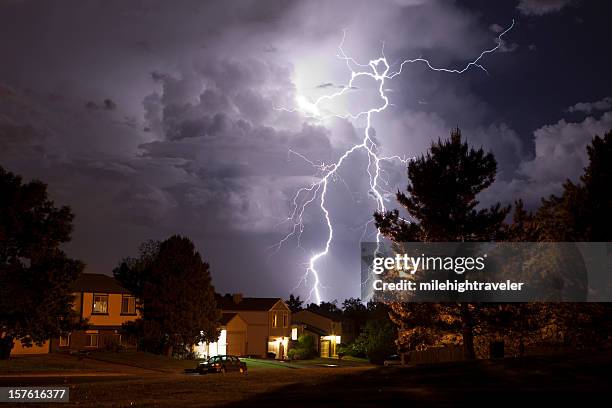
[(561, 380), (584, 379)]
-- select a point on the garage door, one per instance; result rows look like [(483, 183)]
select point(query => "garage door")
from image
[(236, 343), (325, 348)]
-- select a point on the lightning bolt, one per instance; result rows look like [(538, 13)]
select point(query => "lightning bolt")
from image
[(380, 71)]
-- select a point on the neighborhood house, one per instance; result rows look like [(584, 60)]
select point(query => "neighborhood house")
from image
[(326, 330), (106, 305), (258, 327)]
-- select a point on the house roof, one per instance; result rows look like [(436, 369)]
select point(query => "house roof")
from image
[(314, 330), (227, 317), (247, 303), (330, 316), (97, 282)]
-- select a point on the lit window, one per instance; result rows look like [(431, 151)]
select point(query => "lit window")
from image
[(285, 320), (128, 305), (275, 320), (100, 304), (92, 340), (64, 341), (294, 333)]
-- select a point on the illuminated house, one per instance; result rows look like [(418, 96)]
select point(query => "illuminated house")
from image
[(326, 330), (268, 326), (232, 340), (105, 304)]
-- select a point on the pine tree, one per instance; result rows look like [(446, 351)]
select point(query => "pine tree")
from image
[(441, 199)]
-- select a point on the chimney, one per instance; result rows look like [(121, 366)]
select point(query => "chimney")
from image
[(237, 298)]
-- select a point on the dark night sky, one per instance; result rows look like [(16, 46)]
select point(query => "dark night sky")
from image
[(188, 140)]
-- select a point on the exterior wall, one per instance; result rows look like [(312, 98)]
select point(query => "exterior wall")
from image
[(322, 323), (280, 311), (114, 317), (260, 327), (257, 332), (79, 340), (107, 326), (231, 341), (237, 337), (19, 349), (327, 344)]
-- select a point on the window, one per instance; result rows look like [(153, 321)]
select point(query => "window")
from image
[(100, 304), (128, 305), (275, 320), (294, 335), (91, 340), (64, 341), (285, 320)]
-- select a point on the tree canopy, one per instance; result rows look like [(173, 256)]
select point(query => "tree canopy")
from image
[(177, 299), (36, 275), (442, 206)]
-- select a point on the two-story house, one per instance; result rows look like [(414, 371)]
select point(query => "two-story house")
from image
[(105, 304), (251, 327)]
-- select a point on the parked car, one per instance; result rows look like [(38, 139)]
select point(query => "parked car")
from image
[(222, 364), (393, 360)]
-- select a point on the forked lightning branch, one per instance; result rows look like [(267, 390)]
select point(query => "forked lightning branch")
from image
[(315, 194)]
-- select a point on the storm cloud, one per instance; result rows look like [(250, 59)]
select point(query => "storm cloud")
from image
[(151, 118)]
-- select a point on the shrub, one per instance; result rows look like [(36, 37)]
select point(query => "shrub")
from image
[(305, 349)]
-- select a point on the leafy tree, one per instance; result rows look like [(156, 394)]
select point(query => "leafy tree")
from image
[(305, 348), (178, 302), (294, 303), (582, 212), (133, 272), (377, 340), (355, 312), (36, 276), (442, 202), (326, 308)]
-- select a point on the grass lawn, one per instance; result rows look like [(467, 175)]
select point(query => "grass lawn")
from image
[(48, 362), (258, 364), (109, 361), (144, 360), (253, 363), (561, 380), (333, 362), (197, 391), (542, 381)]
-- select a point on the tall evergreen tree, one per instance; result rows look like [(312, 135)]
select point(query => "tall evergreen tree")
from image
[(36, 276), (441, 199), (177, 299)]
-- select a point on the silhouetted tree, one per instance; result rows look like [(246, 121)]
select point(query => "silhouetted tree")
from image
[(377, 340), (326, 308), (442, 202), (356, 313), (177, 298), (294, 303), (36, 276), (582, 212)]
